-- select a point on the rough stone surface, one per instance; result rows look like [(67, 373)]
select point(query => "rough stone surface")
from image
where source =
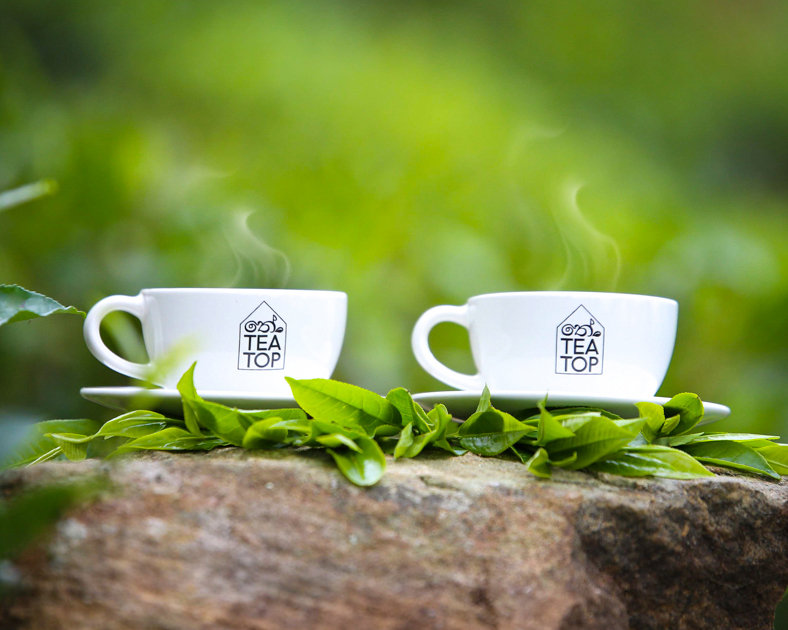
[(234, 540)]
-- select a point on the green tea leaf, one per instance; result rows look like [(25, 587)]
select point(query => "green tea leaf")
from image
[(451, 448), (265, 433), (758, 444), (652, 461), (405, 441), (731, 455), (364, 467), (670, 424), (655, 419), (312, 429), (525, 457), (409, 410), (416, 446), (441, 421), (539, 464), (189, 394), (411, 443), (676, 440), (18, 304), (566, 462), (574, 411), (491, 432), (491, 421), (101, 448), (733, 437), (172, 439), (689, 409), (633, 425), (484, 401), (74, 449), (549, 429), (573, 421), (344, 404), (37, 447), (130, 425), (135, 424), (335, 440), (224, 422), (248, 418), (776, 455), (593, 441)]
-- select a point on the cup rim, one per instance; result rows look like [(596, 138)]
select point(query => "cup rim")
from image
[(216, 290), (571, 294)]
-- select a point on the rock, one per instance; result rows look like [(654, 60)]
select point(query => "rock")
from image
[(269, 540)]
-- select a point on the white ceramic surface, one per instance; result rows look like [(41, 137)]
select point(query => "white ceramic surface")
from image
[(243, 340), (601, 344), (462, 404), (168, 401)]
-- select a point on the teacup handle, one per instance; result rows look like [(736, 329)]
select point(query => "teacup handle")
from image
[(421, 346), (134, 306)]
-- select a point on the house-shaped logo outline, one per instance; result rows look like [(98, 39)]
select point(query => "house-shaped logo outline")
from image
[(593, 329), (276, 325)]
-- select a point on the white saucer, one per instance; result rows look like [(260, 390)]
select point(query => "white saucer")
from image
[(168, 401), (462, 404)]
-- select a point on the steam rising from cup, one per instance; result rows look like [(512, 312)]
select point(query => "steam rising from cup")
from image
[(593, 259), (258, 264)]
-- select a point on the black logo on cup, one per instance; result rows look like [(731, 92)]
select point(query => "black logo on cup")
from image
[(262, 338), (580, 344)]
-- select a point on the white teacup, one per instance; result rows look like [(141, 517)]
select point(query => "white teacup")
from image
[(607, 344), (244, 340)]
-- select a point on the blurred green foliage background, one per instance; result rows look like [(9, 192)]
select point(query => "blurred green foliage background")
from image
[(411, 153)]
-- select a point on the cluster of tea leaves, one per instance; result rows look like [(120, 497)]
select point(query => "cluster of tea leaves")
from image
[(358, 428)]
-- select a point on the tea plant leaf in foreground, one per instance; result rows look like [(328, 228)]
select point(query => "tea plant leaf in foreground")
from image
[(575, 411), (731, 455), (776, 455), (224, 422), (335, 440), (18, 305), (593, 441), (550, 429), (411, 442), (409, 410), (655, 419), (265, 433), (355, 426), (652, 461), (130, 425), (689, 408), (342, 403), (364, 467), (38, 447), (73, 446), (539, 464), (485, 401), (172, 439), (743, 438), (491, 432)]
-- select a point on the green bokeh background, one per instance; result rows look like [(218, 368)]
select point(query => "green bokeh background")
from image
[(410, 153)]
